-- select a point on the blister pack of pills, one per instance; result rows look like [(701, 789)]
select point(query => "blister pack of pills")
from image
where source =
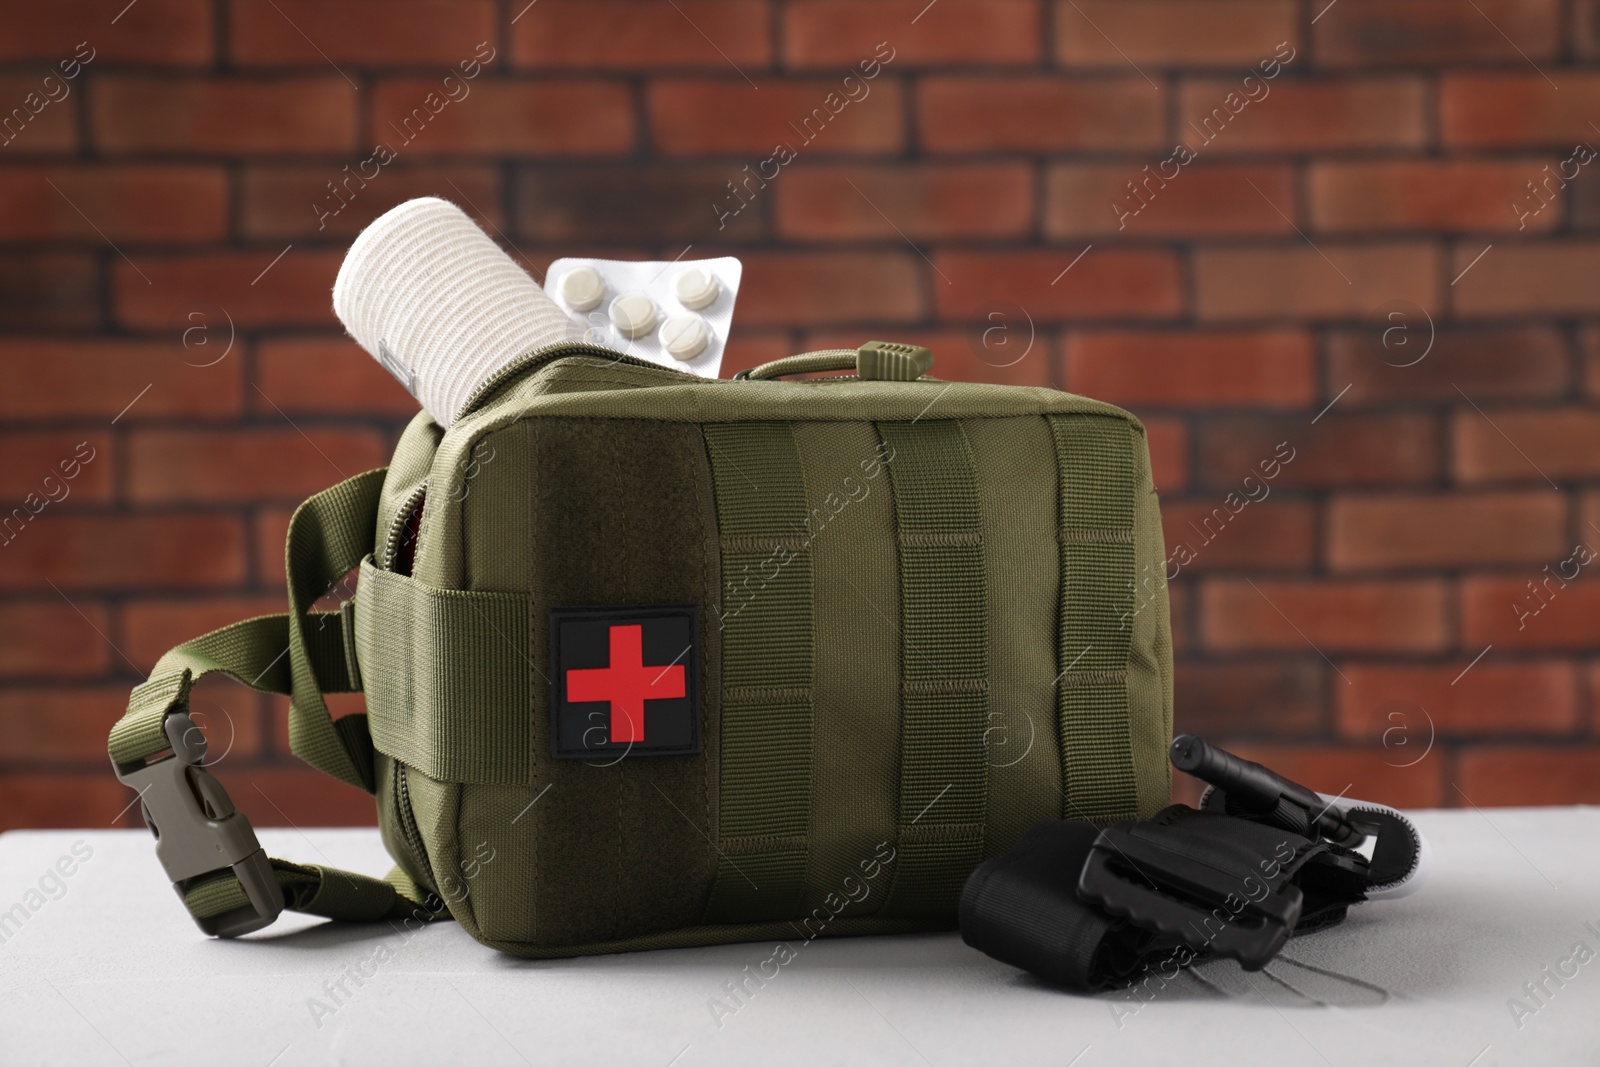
[(673, 313)]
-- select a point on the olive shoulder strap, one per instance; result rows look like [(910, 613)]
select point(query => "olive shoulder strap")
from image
[(207, 847)]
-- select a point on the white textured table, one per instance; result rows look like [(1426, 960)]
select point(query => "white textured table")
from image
[(109, 970)]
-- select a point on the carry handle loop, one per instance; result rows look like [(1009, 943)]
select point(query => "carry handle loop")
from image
[(329, 535), (878, 361)]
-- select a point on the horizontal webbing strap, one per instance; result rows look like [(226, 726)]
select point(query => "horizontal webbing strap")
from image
[(446, 674)]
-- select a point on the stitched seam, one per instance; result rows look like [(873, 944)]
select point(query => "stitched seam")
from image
[(1074, 679), (771, 695)]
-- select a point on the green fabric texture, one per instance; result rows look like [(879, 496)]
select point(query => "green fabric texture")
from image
[(944, 689), (855, 742), (314, 890), (766, 618), (1150, 653), (1022, 573), (409, 469), (251, 652), (793, 932), (445, 665), (1099, 484), (582, 386), (329, 535)]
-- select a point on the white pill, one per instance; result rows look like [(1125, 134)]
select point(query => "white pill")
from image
[(634, 315), (684, 336), (582, 288), (697, 288)]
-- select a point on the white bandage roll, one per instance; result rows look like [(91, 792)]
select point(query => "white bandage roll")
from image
[(437, 302)]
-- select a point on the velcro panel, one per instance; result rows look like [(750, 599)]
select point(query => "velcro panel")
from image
[(766, 619), (1099, 479), (944, 697), (621, 515)]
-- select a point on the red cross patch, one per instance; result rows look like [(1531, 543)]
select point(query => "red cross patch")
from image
[(624, 681)]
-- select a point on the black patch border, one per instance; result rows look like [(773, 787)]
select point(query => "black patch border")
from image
[(626, 614)]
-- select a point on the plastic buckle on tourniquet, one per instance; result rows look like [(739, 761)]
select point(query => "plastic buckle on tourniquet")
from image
[(1159, 881)]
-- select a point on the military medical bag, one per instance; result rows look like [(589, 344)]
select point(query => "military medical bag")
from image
[(651, 660)]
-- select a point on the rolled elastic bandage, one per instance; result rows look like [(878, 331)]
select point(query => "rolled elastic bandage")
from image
[(433, 299)]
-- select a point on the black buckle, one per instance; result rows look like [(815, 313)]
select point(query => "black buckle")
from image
[(199, 832), (1156, 886)]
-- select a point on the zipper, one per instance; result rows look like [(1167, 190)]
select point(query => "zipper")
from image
[(408, 820), (397, 528), (545, 354)]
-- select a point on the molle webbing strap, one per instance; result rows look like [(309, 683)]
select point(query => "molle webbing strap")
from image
[(944, 670), (1099, 482), (447, 676), (766, 615)]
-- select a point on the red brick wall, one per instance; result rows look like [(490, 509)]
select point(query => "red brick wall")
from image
[(1348, 207)]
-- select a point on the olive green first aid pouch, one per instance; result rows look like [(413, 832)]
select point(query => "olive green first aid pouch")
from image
[(651, 660)]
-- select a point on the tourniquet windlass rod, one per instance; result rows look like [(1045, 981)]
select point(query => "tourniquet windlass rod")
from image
[(1252, 788)]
